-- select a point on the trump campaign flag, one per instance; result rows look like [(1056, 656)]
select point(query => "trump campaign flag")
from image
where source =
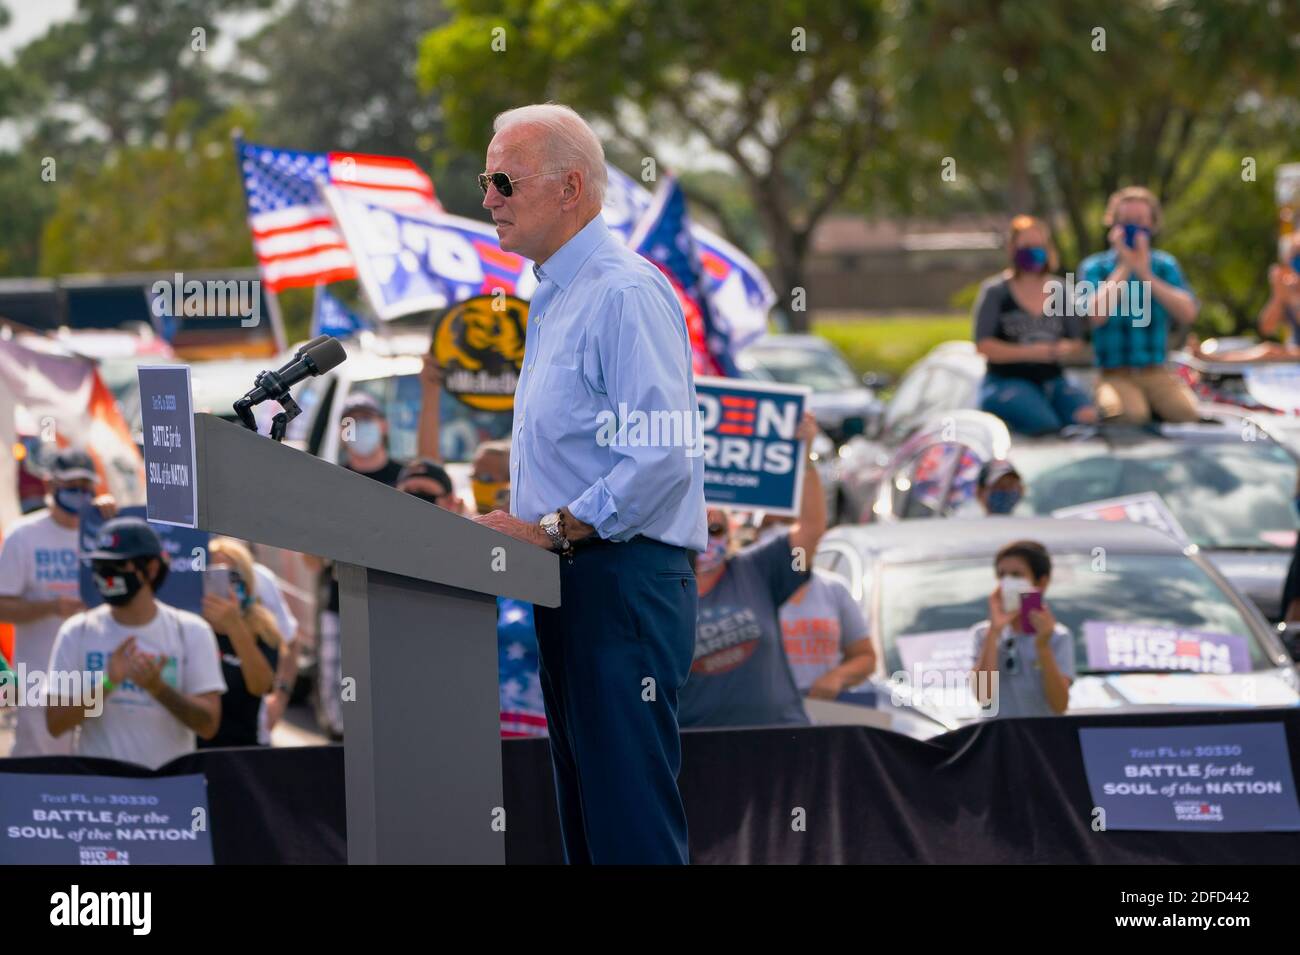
[(296, 241), (736, 295), (414, 263), (664, 237)]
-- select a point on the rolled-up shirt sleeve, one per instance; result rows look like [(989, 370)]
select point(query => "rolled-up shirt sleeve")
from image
[(639, 358)]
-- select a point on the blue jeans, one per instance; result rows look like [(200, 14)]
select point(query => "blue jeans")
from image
[(1030, 408)]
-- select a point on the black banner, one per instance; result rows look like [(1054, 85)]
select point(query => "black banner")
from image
[(1005, 791)]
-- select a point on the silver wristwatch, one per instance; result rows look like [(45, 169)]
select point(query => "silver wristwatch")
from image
[(553, 524)]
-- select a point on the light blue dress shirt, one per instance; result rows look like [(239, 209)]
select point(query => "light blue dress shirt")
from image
[(606, 338)]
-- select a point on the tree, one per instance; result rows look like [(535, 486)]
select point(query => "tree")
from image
[(175, 205), (788, 91), (123, 65), (340, 75)]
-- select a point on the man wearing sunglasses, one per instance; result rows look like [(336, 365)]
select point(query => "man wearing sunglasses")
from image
[(606, 337)]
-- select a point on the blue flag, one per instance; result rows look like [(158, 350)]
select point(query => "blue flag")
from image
[(663, 236), (332, 317)]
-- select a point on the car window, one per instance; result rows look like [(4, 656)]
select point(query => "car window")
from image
[(908, 405), (820, 370), (1157, 590), (462, 429), (1232, 494)]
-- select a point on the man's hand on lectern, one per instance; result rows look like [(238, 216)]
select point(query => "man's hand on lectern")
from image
[(515, 527)]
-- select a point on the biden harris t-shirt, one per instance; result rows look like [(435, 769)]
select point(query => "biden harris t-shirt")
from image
[(740, 675)]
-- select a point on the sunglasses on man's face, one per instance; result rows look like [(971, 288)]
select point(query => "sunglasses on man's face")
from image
[(504, 184)]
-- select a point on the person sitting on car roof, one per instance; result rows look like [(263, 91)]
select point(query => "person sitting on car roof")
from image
[(1024, 338), (1140, 304), (1024, 659)]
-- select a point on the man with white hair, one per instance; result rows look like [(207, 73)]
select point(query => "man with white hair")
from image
[(606, 340)]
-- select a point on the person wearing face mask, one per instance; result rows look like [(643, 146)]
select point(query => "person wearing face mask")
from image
[(39, 584), (1140, 307), (740, 675), (1023, 674), (160, 666), (999, 488), (429, 481), (250, 643), (365, 449), (491, 476), (1025, 338)]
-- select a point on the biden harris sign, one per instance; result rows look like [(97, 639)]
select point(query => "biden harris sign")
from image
[(752, 459)]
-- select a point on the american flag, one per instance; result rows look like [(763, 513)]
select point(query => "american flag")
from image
[(294, 236)]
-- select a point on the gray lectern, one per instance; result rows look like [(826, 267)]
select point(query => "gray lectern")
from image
[(418, 588)]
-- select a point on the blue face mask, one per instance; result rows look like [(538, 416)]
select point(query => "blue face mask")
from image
[(72, 499), (241, 593), (1003, 502), (1031, 258), (366, 439)]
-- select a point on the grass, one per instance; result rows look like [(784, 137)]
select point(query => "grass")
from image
[(890, 344)]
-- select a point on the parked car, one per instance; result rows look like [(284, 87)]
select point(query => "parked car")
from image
[(841, 401), (1232, 497), (916, 585)]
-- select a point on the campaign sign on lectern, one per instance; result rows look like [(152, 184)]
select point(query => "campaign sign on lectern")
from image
[(166, 410)]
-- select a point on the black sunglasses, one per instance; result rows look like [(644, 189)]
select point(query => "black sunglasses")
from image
[(717, 530), (505, 185)]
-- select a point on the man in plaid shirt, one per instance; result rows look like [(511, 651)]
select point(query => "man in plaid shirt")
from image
[(1140, 299)]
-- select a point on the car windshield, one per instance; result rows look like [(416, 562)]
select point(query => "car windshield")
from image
[(1227, 495), (819, 369), (462, 428), (1135, 591)]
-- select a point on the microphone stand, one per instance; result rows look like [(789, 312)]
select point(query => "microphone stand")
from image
[(277, 391)]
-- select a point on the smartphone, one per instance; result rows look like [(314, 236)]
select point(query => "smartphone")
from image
[(1130, 234), (1030, 601), (216, 581)]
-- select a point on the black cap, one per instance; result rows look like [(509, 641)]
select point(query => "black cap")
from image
[(70, 465), (425, 468), (994, 471), (123, 538)]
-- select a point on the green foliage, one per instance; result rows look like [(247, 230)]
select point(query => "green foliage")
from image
[(892, 344), (174, 205)]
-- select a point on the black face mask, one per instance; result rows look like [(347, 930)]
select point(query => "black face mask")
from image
[(117, 585)]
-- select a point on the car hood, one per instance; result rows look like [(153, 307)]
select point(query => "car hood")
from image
[(1119, 693)]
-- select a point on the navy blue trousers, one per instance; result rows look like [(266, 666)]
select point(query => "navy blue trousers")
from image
[(613, 656)]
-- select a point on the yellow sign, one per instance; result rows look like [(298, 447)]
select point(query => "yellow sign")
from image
[(479, 345)]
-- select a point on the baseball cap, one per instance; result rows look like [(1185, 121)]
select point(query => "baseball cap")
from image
[(360, 402), (425, 468), (123, 538), (69, 465), (994, 471)]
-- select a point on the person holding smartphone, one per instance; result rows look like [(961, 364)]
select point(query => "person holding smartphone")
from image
[(248, 640), (1021, 642), (1141, 307)]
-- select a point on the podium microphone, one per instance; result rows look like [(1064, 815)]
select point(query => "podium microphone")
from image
[(314, 358)]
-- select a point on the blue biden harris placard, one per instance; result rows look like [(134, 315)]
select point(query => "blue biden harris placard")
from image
[(1233, 777), (752, 459)]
